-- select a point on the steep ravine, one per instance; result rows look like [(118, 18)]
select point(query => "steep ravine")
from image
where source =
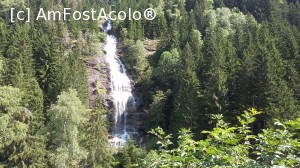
[(99, 79)]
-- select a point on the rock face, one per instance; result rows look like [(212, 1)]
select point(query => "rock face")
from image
[(150, 46), (98, 80)]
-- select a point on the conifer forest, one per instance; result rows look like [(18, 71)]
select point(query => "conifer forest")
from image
[(204, 83)]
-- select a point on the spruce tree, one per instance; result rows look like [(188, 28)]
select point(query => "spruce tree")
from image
[(139, 34), (162, 26), (219, 3), (186, 112), (199, 15), (4, 38), (20, 145), (293, 14), (244, 94), (78, 75), (132, 30), (170, 39), (51, 64), (196, 43), (192, 25), (174, 37), (157, 113), (279, 98), (19, 72), (95, 138), (286, 43), (216, 88), (183, 28)]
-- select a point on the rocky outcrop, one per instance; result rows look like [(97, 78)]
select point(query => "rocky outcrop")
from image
[(150, 46), (98, 80)]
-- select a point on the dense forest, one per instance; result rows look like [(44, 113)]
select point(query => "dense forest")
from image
[(222, 88)]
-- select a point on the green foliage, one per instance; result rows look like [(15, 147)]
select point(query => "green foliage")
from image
[(226, 20), (1, 68), (240, 54), (277, 147), (12, 129), (20, 145), (51, 65), (18, 71), (65, 118), (216, 87), (95, 138), (228, 146), (7, 4), (157, 112), (135, 57), (186, 107), (78, 75), (129, 155), (168, 67)]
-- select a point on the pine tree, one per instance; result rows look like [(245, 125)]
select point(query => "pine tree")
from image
[(216, 88), (157, 114), (4, 38), (95, 139), (186, 107), (78, 75), (20, 145), (184, 28), (19, 72), (162, 26), (51, 64), (199, 15), (244, 94), (279, 98), (196, 43)]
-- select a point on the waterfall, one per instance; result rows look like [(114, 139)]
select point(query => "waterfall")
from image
[(123, 99)]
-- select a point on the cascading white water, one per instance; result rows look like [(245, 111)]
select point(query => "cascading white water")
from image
[(121, 93)]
